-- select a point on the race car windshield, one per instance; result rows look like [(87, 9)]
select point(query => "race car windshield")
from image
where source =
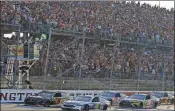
[(158, 94), (46, 94), (136, 96), (81, 98), (108, 94)]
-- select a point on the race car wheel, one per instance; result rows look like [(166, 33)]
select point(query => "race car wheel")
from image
[(109, 106), (86, 108), (121, 104), (47, 104), (111, 102), (155, 105), (172, 101), (141, 105), (101, 107), (25, 102), (105, 107)]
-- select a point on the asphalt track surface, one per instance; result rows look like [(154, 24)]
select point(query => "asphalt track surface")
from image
[(22, 107)]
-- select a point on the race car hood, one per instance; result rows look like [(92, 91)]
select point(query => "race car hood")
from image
[(72, 102)]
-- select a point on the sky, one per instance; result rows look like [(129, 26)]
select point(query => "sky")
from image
[(165, 4)]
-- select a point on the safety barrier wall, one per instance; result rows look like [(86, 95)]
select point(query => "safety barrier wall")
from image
[(18, 95)]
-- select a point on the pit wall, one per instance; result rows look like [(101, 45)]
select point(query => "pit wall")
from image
[(18, 95)]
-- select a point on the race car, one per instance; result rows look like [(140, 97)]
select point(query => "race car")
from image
[(85, 103), (47, 98), (165, 98), (113, 96), (139, 101)]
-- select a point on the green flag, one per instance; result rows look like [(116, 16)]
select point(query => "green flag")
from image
[(43, 37)]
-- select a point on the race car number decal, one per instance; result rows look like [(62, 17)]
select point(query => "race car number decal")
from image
[(115, 101), (149, 103), (164, 100), (57, 100)]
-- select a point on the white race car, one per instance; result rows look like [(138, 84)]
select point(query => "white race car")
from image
[(85, 103)]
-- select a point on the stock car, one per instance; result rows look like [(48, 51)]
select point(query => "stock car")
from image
[(165, 98), (47, 98), (85, 103), (139, 101), (113, 96)]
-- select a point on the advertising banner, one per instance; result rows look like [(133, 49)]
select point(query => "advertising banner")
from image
[(31, 52), (15, 95), (12, 52)]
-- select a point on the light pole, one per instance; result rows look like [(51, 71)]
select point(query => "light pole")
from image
[(81, 60), (47, 56)]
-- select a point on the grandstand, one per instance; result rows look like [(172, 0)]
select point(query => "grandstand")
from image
[(89, 45)]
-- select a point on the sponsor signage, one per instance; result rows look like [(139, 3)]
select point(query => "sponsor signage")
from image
[(13, 95), (24, 52)]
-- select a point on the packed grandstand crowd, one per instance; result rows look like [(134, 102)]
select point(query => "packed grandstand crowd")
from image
[(133, 21)]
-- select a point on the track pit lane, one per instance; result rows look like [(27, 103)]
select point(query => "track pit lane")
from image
[(22, 107)]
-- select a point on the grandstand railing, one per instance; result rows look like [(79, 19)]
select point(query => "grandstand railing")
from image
[(44, 28)]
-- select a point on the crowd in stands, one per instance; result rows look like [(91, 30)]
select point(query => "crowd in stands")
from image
[(99, 59), (133, 21), (107, 18)]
